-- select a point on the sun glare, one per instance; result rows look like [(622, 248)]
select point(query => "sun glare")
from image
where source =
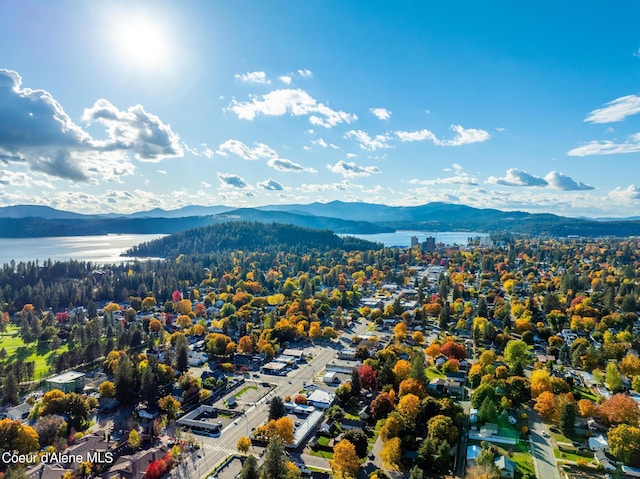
[(142, 43)]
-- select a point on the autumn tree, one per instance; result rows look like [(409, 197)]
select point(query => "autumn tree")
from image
[(15, 436), (409, 407), (244, 444), (613, 378), (107, 389), (345, 462), (400, 331), (381, 406), (411, 386), (368, 377), (624, 444), (391, 453), (540, 382), (169, 406), (587, 408), (245, 345), (134, 439), (401, 369), (546, 405), (620, 409)]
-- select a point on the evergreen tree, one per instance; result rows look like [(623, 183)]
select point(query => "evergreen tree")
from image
[(417, 370), (182, 353), (10, 389), (125, 381), (276, 409), (568, 415), (250, 468), (356, 388), (275, 461)]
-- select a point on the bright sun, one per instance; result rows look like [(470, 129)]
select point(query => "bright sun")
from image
[(143, 43)]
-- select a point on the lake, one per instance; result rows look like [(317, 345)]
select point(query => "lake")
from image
[(101, 249), (107, 249), (402, 238)]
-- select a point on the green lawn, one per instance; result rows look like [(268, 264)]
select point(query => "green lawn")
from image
[(17, 350), (433, 373), (244, 390)]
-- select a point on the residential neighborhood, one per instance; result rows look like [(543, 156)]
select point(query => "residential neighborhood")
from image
[(513, 359)]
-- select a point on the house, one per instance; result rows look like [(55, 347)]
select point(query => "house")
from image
[(321, 399), (331, 378), (68, 382), (472, 454), (347, 353), (19, 412), (298, 354), (506, 467), (275, 368), (601, 458), (598, 443)]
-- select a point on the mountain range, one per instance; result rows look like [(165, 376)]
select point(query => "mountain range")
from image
[(340, 217)]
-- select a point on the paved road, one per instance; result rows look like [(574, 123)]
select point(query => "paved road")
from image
[(541, 448), (215, 450)]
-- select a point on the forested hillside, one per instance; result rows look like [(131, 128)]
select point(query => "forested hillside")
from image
[(247, 236)]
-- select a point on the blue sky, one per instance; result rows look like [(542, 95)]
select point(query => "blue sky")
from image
[(110, 106)]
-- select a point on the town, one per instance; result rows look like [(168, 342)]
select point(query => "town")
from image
[(507, 357)]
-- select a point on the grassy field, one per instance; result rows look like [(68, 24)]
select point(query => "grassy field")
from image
[(244, 390), (17, 350), (433, 373)]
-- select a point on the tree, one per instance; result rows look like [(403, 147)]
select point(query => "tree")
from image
[(358, 438), (480, 393), (441, 427), (416, 473), (517, 355), (411, 386), (368, 378), (345, 461), (10, 389), (17, 436), (275, 461), (107, 389), (409, 407), (16, 472), (620, 409), (540, 382), (391, 453), (356, 388), (245, 345), (546, 405), (182, 353), (624, 444), (587, 408), (244, 444), (568, 413), (451, 349), (250, 468), (276, 409), (400, 331), (170, 406), (125, 381), (134, 439), (613, 378), (488, 411), (381, 406), (401, 369)]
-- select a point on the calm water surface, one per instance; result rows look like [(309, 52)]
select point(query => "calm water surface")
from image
[(104, 249)]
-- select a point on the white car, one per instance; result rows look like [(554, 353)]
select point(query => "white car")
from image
[(545, 433)]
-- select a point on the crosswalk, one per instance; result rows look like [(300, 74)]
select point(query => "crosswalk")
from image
[(215, 447)]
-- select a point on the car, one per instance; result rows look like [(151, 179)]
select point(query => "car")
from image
[(545, 433)]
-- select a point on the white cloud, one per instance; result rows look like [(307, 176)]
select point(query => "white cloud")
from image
[(366, 142), (463, 136), (320, 142), (616, 110), (629, 194), (20, 179), (350, 155), (253, 77), (282, 164), (305, 73), (162, 172), (134, 130), (352, 170), (271, 185), (606, 147), (344, 185), (559, 181), (516, 177), (452, 180), (419, 135), (229, 180), (236, 147), (381, 113), (286, 79), (293, 101), (205, 184)]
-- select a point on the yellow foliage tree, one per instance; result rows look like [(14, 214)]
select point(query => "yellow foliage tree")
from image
[(409, 407), (391, 453), (244, 444), (345, 462), (401, 369), (540, 382)]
